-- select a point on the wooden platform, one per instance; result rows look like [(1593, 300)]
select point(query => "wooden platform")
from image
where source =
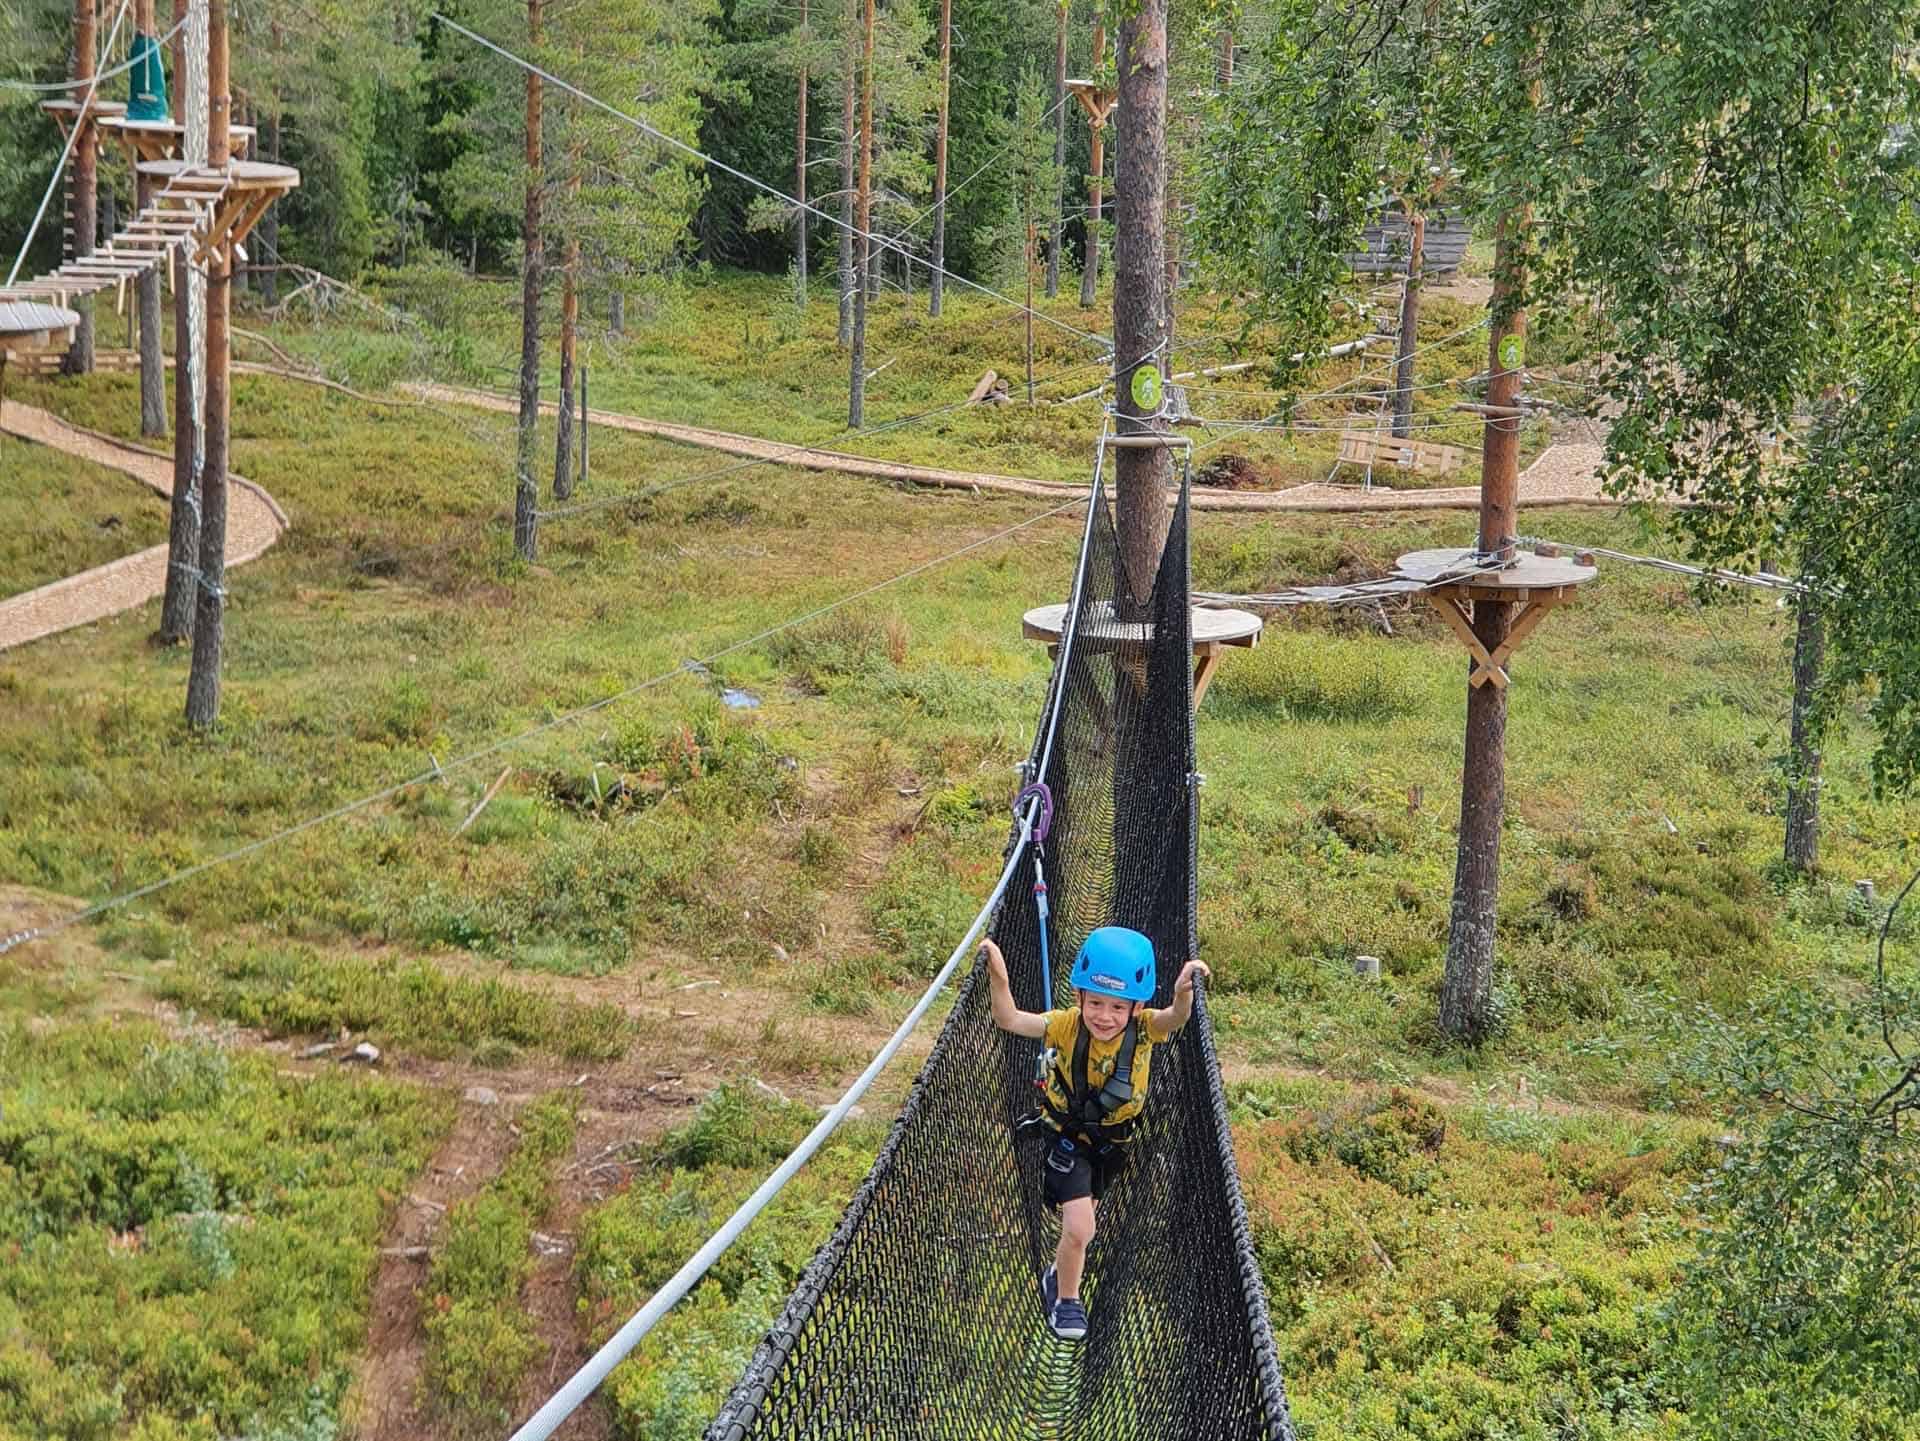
[(156, 140), (1214, 631), (241, 194), (66, 111), (1535, 582), (26, 326)]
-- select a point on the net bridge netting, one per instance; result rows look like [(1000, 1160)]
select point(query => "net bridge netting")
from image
[(920, 1317)]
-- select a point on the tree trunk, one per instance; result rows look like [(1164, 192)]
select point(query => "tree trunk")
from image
[(1140, 284), (183, 522), (617, 310), (801, 216), (1466, 990), (569, 328), (936, 289), (269, 228), (1803, 762), (526, 495), (1059, 150), (857, 380), (1409, 330), (153, 363), (84, 216), (847, 62), (209, 618)]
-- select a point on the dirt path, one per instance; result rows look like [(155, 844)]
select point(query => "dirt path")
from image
[(1552, 480), (254, 522)]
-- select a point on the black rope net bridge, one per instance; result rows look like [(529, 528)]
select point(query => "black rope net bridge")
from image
[(920, 1317)]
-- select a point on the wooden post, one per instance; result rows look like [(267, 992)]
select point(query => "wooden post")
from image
[(267, 147), (153, 365), (936, 290), (848, 280), (1142, 476), (1802, 851), (857, 382), (1466, 990), (1030, 243), (1409, 327), (84, 214), (526, 523), (1096, 173), (800, 215), (1225, 67), (1059, 149), (583, 425), (183, 522), (209, 619)]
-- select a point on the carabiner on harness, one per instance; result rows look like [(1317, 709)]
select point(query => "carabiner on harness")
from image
[(1042, 824)]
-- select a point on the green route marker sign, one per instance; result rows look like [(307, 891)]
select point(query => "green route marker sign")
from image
[(1513, 351), (1146, 386)]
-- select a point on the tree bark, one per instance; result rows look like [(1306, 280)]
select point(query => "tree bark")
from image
[(84, 215), (936, 289), (1059, 150), (1466, 990), (1096, 176), (1140, 284), (617, 310), (801, 216), (268, 142), (1409, 330), (183, 522), (1803, 762), (569, 332), (526, 495), (209, 618), (847, 77), (857, 379), (153, 362)]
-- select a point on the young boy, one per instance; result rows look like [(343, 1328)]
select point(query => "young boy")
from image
[(1097, 1059)]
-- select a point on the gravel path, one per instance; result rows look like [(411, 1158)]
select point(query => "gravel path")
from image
[(254, 522)]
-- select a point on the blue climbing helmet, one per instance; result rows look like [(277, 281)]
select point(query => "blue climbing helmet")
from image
[(1115, 961)]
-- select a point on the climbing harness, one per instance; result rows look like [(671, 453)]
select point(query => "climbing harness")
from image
[(1087, 1109)]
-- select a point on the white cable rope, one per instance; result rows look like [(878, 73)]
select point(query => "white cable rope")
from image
[(1759, 580), (884, 242), (953, 190), (118, 70), (440, 768), (66, 153)]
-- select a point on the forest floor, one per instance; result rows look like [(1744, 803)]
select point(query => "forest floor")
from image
[(677, 914)]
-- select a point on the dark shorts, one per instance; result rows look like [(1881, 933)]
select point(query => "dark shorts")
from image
[(1076, 1169)]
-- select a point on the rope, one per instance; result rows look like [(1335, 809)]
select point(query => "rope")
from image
[(118, 70), (1759, 580), (66, 153), (884, 242), (438, 770)]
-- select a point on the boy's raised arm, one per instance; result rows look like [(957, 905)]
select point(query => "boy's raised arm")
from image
[(1006, 1015), (1169, 1019)]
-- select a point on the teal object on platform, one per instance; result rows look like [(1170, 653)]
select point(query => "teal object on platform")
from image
[(147, 94)]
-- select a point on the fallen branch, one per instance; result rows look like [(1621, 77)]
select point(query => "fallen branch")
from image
[(492, 790)]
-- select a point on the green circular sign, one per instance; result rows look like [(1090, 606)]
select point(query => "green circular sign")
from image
[(1513, 352), (1146, 387)]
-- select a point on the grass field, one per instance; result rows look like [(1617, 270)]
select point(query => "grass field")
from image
[(670, 893), (59, 514)]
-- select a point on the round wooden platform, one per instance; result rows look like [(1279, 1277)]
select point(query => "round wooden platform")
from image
[(64, 110), (27, 325), (239, 174), (1210, 627), (1529, 572), (1213, 632), (159, 140)]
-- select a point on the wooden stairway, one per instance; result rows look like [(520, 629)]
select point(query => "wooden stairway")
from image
[(184, 209)]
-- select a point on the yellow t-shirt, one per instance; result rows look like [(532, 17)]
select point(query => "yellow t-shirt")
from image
[(1063, 1031)]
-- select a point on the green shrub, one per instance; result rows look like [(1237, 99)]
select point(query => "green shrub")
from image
[(737, 1126)]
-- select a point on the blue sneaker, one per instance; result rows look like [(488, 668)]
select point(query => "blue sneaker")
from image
[(1049, 1292), (1068, 1320)]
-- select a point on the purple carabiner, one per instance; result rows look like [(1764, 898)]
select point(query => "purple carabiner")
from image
[(1045, 823)]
